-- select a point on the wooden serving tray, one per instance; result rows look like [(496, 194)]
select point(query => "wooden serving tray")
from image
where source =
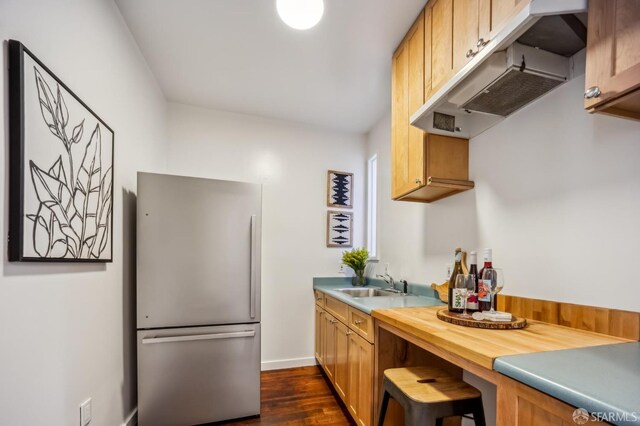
[(453, 318)]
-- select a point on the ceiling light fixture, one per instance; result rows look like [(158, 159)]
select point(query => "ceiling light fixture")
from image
[(300, 14)]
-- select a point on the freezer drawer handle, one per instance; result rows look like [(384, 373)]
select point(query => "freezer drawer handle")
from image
[(212, 336), (252, 296)]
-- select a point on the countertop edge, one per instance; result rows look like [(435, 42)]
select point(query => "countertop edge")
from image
[(355, 303)]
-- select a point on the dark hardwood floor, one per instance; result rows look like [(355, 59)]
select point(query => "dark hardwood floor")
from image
[(297, 396)]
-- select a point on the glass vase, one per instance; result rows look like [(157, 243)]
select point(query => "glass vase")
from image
[(359, 280)]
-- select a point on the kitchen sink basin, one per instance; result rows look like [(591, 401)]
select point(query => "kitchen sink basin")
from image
[(368, 292)]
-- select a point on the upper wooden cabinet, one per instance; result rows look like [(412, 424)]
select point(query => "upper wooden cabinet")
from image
[(407, 96), (441, 43), (493, 15), (445, 169), (455, 31), (613, 58), (425, 167), (465, 32)]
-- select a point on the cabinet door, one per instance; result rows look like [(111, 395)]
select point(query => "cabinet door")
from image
[(448, 157), (329, 357), (407, 97), (341, 377), (399, 121), (319, 334), (415, 176), (441, 43), (520, 405), (613, 56), (465, 32), (494, 15), (428, 28), (360, 393)]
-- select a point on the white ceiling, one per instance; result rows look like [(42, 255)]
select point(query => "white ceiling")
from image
[(237, 55)]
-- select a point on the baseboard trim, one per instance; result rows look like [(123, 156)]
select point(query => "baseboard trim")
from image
[(132, 420), (287, 363)]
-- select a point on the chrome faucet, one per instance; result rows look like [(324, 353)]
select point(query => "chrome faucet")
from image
[(389, 280)]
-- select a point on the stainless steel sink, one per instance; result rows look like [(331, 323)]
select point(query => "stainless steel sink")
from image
[(368, 292)]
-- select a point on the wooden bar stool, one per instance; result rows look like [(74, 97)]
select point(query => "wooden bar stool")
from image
[(429, 394)]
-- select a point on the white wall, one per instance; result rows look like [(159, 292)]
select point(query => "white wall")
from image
[(291, 160), (67, 331), (557, 197)]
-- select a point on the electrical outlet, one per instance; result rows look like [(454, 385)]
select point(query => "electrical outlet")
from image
[(448, 269), (85, 412), (386, 268), (341, 268)]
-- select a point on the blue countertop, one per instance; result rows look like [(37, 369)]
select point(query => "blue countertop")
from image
[(422, 295), (600, 379)]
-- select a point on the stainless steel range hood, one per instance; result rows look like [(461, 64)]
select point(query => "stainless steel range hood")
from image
[(510, 79), (527, 59)]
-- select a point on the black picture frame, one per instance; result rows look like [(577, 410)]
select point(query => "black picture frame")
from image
[(103, 216)]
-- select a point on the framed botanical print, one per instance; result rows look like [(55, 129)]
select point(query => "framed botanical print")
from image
[(61, 169)]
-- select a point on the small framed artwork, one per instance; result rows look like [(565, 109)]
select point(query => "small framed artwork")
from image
[(60, 169), (339, 229), (339, 189)]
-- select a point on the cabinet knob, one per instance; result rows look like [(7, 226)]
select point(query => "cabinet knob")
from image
[(418, 181), (471, 53), (482, 43), (333, 321), (321, 313), (356, 322), (349, 332), (592, 92)]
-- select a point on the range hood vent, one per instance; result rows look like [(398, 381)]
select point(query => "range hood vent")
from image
[(539, 48), (510, 79)]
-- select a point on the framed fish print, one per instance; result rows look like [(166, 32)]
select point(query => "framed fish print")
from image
[(60, 169), (339, 229), (339, 189)]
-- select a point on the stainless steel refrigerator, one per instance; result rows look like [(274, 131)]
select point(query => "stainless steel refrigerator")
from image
[(198, 300)]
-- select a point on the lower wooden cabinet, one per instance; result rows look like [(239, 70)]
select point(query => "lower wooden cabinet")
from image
[(360, 389), (341, 378), (347, 359), (329, 346), (521, 405), (319, 334)]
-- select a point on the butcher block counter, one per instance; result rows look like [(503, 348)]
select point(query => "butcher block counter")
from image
[(415, 336), (482, 346)]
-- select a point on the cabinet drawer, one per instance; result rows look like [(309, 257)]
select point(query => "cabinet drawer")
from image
[(319, 298), (337, 308), (361, 323)]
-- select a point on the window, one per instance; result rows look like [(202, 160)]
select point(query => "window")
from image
[(372, 203)]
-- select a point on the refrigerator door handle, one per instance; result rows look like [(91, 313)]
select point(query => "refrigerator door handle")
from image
[(188, 338), (252, 284)]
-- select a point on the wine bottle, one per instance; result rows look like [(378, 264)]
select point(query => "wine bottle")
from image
[(472, 300), (465, 269), (484, 288), (456, 301)]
